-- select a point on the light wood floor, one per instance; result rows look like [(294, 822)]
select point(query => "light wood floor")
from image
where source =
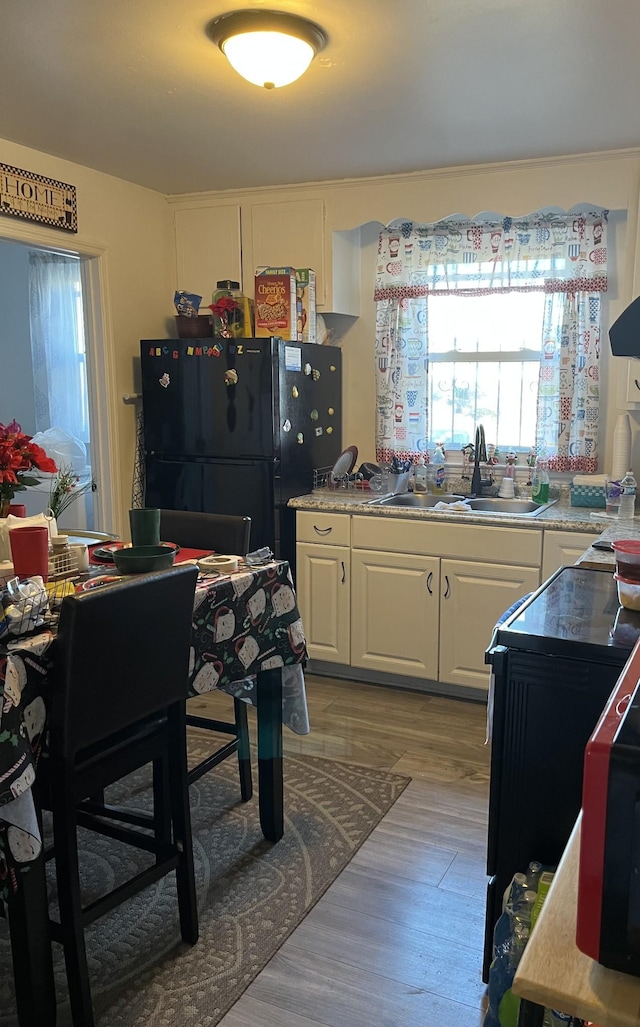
[(397, 939)]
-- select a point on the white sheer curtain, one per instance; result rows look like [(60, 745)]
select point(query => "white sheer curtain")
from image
[(562, 255), (57, 344)]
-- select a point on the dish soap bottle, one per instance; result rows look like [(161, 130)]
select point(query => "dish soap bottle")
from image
[(540, 483), (628, 487), (438, 469), (420, 476)]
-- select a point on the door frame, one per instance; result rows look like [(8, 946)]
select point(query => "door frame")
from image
[(100, 357)]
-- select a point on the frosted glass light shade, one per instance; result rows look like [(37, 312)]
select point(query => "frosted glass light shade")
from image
[(268, 59), (268, 48)]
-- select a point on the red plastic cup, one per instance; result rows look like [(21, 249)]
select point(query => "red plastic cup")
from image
[(30, 551), (17, 509)]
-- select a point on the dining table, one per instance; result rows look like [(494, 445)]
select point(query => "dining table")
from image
[(247, 640)]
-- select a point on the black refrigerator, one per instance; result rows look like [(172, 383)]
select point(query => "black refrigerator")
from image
[(555, 662), (238, 426)]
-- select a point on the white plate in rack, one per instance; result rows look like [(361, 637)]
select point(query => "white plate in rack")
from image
[(345, 463)]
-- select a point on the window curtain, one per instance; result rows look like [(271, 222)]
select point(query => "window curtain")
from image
[(565, 255), (55, 311)]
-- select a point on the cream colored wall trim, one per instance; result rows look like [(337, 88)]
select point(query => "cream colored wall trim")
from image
[(100, 361), (223, 195)]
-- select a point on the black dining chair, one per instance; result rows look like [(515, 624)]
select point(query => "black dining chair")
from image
[(117, 702), (229, 534)]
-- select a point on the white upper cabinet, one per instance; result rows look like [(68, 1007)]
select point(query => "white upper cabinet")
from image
[(288, 233), (208, 248)]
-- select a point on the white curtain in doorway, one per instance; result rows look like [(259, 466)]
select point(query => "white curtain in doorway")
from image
[(57, 344)]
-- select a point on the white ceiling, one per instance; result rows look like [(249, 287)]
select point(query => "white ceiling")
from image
[(136, 88)]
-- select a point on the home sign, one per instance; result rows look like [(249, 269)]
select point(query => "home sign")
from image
[(35, 198)]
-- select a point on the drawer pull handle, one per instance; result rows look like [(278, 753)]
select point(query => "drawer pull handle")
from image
[(344, 572), (429, 580), (322, 531), (637, 383), (448, 588)]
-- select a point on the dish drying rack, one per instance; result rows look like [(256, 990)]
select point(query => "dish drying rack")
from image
[(27, 608), (324, 480)]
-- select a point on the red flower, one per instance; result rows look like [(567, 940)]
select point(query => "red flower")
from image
[(18, 454), (224, 306)]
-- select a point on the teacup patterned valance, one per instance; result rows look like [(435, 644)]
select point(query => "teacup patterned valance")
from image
[(543, 251)]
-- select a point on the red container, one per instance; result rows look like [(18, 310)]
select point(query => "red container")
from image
[(17, 509), (30, 551), (627, 553)]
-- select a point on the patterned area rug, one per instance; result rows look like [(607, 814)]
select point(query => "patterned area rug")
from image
[(252, 894)]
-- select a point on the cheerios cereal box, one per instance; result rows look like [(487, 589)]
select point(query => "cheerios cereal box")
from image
[(275, 303), (306, 304)]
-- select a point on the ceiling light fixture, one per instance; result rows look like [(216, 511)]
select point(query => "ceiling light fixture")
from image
[(268, 48)]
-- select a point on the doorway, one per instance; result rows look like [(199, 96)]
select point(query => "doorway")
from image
[(94, 373)]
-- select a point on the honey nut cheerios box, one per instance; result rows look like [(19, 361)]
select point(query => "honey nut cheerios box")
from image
[(275, 303)]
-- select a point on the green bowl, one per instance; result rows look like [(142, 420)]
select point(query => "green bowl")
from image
[(138, 559)]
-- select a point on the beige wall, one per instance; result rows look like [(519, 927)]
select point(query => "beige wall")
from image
[(133, 226), (608, 180)]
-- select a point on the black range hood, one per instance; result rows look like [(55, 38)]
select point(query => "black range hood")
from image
[(624, 334)]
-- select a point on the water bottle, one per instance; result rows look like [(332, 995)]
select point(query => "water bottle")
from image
[(628, 487)]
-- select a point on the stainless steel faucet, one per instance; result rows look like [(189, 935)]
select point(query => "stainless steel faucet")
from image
[(480, 456)]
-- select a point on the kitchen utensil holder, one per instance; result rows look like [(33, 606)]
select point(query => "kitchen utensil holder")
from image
[(398, 483)]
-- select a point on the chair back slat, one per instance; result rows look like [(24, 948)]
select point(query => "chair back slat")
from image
[(223, 533), (121, 654)]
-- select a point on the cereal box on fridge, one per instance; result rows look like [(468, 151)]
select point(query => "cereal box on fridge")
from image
[(275, 303), (306, 304)]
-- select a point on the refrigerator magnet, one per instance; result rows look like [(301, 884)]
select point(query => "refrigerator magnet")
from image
[(292, 358), (318, 431), (286, 425), (231, 376), (294, 392), (331, 411), (315, 374), (164, 381), (307, 369), (329, 430), (314, 415), (300, 438)]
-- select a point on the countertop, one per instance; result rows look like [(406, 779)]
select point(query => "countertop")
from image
[(561, 516)]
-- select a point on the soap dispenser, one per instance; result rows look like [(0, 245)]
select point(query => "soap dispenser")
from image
[(420, 476)]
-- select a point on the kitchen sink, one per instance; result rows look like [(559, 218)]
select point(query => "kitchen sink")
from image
[(516, 507), (417, 500)]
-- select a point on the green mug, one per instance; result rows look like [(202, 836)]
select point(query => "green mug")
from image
[(145, 527)]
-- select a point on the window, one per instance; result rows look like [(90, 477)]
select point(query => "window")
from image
[(496, 320), (484, 363)]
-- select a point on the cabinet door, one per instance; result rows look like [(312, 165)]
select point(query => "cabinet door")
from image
[(473, 597), (289, 233), (323, 591), (633, 382), (207, 249), (562, 548), (394, 613)]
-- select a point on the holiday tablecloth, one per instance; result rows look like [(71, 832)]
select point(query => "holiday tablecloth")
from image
[(242, 624)]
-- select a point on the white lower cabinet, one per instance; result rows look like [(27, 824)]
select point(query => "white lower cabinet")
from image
[(395, 613), (416, 598), (474, 596), (323, 590), (562, 548)]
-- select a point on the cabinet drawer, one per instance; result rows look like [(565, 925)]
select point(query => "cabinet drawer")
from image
[(521, 546), (331, 529)]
